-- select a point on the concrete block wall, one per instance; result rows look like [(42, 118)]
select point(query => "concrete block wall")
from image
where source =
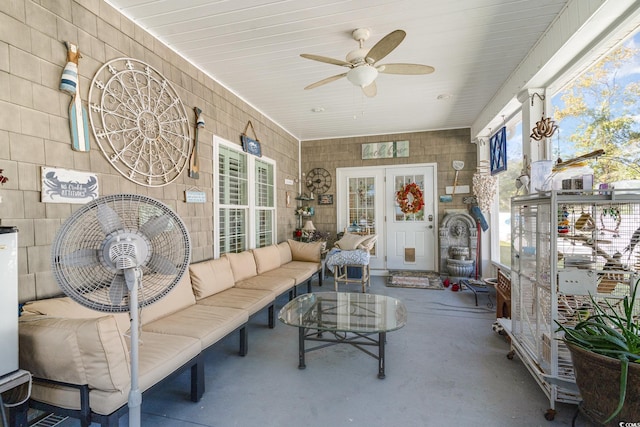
[(440, 147), (34, 125)]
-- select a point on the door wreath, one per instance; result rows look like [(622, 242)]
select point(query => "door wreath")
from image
[(410, 199)]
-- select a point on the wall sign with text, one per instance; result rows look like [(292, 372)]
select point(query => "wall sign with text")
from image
[(68, 186), (385, 150)]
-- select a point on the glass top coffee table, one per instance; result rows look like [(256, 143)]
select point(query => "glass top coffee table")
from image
[(346, 318)]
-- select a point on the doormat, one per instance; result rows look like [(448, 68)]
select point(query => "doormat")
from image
[(414, 279)]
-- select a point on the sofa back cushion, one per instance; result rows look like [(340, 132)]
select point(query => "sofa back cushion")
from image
[(95, 351), (301, 251), (181, 296), (285, 252), (267, 258), (243, 265), (210, 277), (67, 308)]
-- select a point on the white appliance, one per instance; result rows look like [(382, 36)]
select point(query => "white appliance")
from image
[(8, 300)]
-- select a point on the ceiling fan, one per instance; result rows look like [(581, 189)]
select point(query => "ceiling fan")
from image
[(363, 62)]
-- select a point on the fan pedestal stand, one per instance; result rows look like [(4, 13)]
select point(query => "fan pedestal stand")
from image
[(133, 276)]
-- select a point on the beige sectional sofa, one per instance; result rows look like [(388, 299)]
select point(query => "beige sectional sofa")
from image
[(79, 358)]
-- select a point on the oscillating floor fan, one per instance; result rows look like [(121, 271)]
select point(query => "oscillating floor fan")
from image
[(119, 253)]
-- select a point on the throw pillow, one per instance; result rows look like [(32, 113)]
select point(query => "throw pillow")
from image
[(350, 241), (367, 244), (302, 251)]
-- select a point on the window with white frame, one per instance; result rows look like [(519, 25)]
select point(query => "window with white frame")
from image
[(264, 203), (245, 199), (501, 252)]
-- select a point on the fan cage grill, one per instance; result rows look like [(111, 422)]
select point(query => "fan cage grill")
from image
[(77, 255)]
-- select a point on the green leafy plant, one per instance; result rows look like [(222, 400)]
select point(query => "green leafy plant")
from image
[(611, 333)]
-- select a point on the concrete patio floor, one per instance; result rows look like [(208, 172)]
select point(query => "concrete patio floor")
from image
[(446, 367)]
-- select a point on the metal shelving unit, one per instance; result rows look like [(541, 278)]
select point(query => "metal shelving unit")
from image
[(567, 246)]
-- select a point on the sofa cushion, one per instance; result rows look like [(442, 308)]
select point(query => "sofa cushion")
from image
[(243, 265), (301, 251), (180, 297), (210, 277), (285, 252), (94, 351), (277, 284), (267, 258), (299, 275), (349, 241), (201, 322), (67, 308), (252, 300), (159, 356)]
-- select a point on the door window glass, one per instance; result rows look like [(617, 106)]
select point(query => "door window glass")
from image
[(361, 200)]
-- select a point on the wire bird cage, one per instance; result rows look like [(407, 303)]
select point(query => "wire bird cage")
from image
[(566, 247)]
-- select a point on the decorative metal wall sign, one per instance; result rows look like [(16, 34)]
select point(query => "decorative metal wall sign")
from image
[(68, 186), (139, 122)]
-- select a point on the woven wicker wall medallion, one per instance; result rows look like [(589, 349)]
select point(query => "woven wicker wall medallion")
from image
[(139, 122)]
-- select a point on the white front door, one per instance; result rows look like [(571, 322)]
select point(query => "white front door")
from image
[(411, 237)]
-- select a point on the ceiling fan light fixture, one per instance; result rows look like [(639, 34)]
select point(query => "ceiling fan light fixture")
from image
[(362, 75)]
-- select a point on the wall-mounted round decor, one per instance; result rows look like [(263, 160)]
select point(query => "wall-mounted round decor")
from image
[(139, 122), (319, 180)]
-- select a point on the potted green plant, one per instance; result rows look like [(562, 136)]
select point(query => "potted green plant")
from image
[(605, 350)]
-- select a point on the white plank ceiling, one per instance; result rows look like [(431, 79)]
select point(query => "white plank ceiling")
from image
[(253, 48)]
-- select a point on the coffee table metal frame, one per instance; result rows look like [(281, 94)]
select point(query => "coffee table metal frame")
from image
[(316, 314)]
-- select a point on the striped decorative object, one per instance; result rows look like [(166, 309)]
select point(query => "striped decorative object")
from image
[(69, 83)]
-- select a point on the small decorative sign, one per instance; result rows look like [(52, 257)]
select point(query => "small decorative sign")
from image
[(67, 186), (385, 150), (325, 199), (192, 196), (250, 145)]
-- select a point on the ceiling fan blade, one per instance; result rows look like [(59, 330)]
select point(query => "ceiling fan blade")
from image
[(385, 46), (108, 219), (371, 90), (162, 265), (81, 258), (325, 81), (117, 289), (327, 60), (155, 226), (412, 69)]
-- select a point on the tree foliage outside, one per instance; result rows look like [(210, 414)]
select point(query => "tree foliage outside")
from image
[(601, 108)]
